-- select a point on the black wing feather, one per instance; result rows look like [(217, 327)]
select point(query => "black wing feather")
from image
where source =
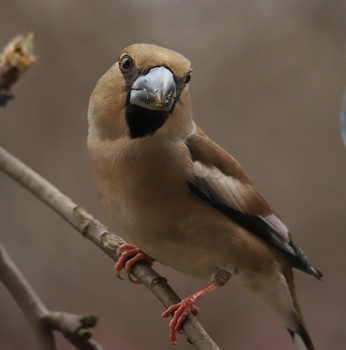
[(257, 226)]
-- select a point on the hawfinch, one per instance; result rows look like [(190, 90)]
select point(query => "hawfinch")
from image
[(179, 197)]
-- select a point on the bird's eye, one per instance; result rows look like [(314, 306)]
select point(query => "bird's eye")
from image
[(126, 63), (187, 78)]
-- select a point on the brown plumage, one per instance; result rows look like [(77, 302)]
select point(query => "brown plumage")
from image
[(178, 196)]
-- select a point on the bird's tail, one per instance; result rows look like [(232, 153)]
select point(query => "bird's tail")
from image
[(302, 339), (299, 334), (280, 295)]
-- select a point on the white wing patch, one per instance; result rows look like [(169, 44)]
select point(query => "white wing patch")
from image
[(225, 189), (277, 225), (239, 196)]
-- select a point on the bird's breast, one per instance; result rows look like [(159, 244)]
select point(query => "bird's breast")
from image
[(141, 182), (145, 191)]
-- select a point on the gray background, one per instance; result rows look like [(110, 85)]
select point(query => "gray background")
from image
[(267, 85)]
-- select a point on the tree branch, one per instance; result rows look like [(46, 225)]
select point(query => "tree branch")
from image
[(99, 234), (75, 328), (27, 300)]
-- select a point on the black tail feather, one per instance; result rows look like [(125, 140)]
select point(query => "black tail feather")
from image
[(303, 264), (304, 338)]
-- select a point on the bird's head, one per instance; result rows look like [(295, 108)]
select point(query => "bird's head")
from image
[(142, 92)]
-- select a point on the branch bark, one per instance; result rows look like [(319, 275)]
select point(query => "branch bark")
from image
[(74, 327), (27, 300), (99, 234)]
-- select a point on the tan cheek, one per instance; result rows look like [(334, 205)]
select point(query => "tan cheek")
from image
[(107, 104), (184, 101)]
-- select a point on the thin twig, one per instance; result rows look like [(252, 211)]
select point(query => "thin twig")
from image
[(99, 234), (75, 328)]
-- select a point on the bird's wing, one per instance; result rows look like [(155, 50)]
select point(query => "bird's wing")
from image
[(221, 181)]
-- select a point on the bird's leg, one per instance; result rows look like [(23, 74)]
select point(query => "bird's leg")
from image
[(184, 307), (129, 255), (187, 305)]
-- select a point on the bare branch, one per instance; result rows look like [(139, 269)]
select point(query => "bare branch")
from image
[(75, 328), (27, 300), (15, 59), (99, 234)]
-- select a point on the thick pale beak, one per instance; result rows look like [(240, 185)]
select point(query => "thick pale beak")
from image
[(156, 90)]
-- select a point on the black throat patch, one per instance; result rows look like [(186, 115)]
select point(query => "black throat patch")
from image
[(144, 122)]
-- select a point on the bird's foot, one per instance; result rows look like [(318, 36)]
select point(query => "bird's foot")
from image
[(181, 310), (130, 254)]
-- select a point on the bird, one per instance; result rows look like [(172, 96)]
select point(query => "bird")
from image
[(181, 199)]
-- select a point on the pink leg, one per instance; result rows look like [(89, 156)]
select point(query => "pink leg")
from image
[(129, 255), (183, 308)]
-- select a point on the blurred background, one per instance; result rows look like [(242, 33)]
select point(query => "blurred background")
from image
[(267, 85)]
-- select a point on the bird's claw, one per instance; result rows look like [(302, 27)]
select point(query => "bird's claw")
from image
[(181, 310), (130, 254)]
